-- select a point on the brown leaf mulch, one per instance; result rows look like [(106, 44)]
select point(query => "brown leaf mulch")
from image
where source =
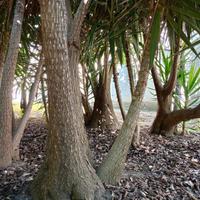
[(161, 168)]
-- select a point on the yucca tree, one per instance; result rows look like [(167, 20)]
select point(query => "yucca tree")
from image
[(175, 15), (189, 82), (114, 19)]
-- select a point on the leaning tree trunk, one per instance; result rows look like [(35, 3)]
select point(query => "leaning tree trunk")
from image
[(67, 172), (103, 115), (6, 87), (44, 99), (136, 136), (110, 170), (129, 68), (17, 136), (118, 92)]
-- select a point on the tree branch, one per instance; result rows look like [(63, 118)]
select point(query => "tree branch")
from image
[(69, 14), (169, 86), (178, 116), (78, 21), (157, 83)]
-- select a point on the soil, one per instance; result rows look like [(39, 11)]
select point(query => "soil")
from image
[(161, 168)]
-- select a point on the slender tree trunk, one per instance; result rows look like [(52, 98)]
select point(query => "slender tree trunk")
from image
[(44, 99), (103, 115), (6, 87), (67, 172), (119, 98), (23, 102), (136, 136), (20, 129), (86, 105), (129, 68), (111, 168)]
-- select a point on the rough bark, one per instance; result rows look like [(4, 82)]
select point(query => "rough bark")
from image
[(6, 87), (103, 115), (136, 137), (3, 47), (111, 168), (20, 129), (4, 39), (67, 172), (118, 92)]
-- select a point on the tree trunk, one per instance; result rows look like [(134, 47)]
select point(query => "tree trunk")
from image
[(136, 137), (129, 68), (3, 47), (23, 102), (119, 98), (164, 95), (67, 172), (44, 99), (111, 168), (87, 109), (103, 115), (164, 108), (20, 129), (85, 102), (6, 87)]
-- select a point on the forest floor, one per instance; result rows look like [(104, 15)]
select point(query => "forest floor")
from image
[(161, 168)]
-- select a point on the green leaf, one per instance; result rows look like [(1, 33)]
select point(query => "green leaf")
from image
[(155, 35)]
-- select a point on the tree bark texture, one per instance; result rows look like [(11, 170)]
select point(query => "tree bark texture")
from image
[(67, 172), (6, 86), (111, 168)]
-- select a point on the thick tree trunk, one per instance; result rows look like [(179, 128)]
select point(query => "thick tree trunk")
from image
[(67, 172), (103, 115), (3, 47), (6, 87), (20, 129), (110, 170), (164, 108), (119, 98)]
